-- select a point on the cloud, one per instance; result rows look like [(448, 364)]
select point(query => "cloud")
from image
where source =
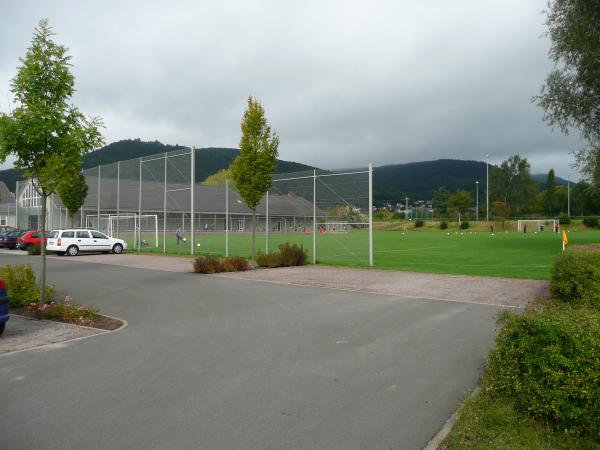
[(343, 82)]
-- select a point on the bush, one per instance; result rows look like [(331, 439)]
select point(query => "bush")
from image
[(591, 222), (287, 256), (563, 219), (419, 223), (34, 250), (575, 275), (464, 225), (65, 311), (443, 225), (21, 285), (549, 362), (208, 264), (235, 264)]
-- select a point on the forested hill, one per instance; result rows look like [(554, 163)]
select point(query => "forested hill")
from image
[(208, 160), (419, 180)]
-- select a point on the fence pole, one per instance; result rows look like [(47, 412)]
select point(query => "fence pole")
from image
[(118, 194), (98, 208), (165, 208), (226, 218), (139, 221), (267, 225), (192, 186), (17, 205), (370, 214), (314, 216)]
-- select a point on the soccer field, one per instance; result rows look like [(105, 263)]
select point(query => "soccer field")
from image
[(504, 254)]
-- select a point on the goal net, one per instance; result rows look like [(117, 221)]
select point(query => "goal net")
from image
[(537, 225), (135, 229), (334, 227)]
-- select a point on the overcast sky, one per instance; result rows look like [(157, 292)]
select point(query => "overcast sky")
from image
[(342, 82)]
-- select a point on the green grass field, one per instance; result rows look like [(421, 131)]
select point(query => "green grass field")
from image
[(504, 254)]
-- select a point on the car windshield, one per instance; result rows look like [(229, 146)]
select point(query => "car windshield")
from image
[(53, 234)]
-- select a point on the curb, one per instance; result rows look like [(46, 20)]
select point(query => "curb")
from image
[(436, 441)]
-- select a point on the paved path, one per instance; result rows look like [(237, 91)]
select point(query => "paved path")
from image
[(214, 362)]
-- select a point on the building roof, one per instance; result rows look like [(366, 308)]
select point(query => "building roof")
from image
[(6, 197)]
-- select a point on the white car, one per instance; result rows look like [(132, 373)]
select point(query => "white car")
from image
[(73, 241)]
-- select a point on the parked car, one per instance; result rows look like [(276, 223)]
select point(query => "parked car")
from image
[(3, 233), (10, 238), (6, 228), (30, 239), (75, 240)]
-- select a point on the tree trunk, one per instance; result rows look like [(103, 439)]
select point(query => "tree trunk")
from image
[(254, 237), (43, 251)]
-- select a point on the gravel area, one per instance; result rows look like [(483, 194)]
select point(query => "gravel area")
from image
[(23, 333), (457, 288)]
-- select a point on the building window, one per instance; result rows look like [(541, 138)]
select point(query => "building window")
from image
[(30, 198)]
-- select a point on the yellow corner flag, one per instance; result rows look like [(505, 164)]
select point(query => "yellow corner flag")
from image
[(565, 240)]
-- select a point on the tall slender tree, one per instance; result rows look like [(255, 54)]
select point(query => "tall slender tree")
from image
[(253, 168), (73, 194), (550, 200), (460, 202), (46, 133)]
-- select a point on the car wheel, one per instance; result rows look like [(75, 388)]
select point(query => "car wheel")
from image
[(73, 250), (117, 249), (2, 325)]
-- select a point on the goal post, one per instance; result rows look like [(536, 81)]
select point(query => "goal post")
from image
[(536, 225)]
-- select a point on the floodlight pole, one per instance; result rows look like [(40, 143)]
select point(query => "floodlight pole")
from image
[(17, 205), (487, 189), (226, 218), (314, 216), (165, 207), (569, 197), (139, 221), (98, 209), (192, 185), (406, 209), (370, 214), (267, 225), (477, 200)]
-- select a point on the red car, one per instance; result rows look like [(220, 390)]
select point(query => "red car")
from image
[(29, 239)]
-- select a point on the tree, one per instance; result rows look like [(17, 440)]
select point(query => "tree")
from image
[(45, 133), (73, 194), (511, 183), (460, 202), (219, 178), (570, 95), (253, 168), (550, 200), (440, 200)]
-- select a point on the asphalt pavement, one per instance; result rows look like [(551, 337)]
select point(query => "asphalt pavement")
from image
[(209, 362)]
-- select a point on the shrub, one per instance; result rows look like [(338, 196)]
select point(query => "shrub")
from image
[(443, 225), (208, 264), (65, 311), (575, 275), (591, 222), (288, 255), (235, 264), (419, 223), (563, 219), (21, 284), (549, 362), (292, 254), (34, 250), (464, 225)]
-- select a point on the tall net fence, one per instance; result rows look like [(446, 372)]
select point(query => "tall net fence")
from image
[(157, 204)]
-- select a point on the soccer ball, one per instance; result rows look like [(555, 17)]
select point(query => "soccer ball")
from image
[(198, 244), (184, 240)]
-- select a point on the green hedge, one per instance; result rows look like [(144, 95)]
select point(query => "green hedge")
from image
[(575, 275), (21, 285), (464, 225), (287, 256), (591, 222), (549, 362)]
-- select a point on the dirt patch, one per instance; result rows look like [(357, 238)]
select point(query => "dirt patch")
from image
[(457, 288)]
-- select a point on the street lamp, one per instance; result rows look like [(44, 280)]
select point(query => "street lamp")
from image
[(477, 200), (487, 189)]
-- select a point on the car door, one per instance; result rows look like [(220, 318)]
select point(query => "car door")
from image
[(100, 241), (84, 240)]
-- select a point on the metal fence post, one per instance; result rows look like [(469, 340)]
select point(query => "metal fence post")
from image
[(165, 207), (314, 216), (192, 186), (98, 208), (370, 214), (226, 218), (118, 194), (17, 205), (267, 225), (139, 221)]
